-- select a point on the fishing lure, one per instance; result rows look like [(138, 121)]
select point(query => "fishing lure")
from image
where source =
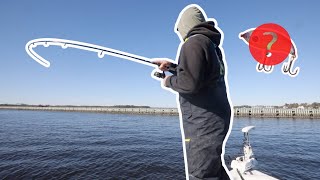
[(287, 67)]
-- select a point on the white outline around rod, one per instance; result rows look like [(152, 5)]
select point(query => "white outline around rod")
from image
[(64, 43)]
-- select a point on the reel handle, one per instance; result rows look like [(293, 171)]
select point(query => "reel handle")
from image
[(172, 67)]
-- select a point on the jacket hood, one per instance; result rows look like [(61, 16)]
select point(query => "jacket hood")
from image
[(188, 18), (208, 29)]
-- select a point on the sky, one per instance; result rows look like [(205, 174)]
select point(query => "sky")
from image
[(145, 28)]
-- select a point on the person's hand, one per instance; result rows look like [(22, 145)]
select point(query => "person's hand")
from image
[(163, 63)]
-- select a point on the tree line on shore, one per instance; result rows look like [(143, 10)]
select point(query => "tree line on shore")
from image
[(313, 105)]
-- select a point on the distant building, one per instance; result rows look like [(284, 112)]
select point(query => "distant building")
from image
[(258, 107), (269, 107)]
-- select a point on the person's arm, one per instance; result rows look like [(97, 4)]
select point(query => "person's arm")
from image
[(191, 68)]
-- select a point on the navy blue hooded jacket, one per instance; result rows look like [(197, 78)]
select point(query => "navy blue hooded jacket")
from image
[(200, 72)]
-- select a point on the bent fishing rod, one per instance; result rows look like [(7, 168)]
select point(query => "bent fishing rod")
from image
[(100, 50)]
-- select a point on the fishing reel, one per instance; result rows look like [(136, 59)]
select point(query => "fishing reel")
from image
[(161, 75)]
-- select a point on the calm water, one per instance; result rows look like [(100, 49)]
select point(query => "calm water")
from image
[(72, 145)]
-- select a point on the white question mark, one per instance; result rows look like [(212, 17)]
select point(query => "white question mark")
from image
[(274, 39)]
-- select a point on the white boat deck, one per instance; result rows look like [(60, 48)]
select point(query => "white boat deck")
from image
[(251, 175)]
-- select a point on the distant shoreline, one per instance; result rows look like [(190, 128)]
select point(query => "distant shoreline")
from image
[(238, 112), (102, 109)]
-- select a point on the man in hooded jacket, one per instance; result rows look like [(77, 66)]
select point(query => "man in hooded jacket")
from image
[(199, 80)]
